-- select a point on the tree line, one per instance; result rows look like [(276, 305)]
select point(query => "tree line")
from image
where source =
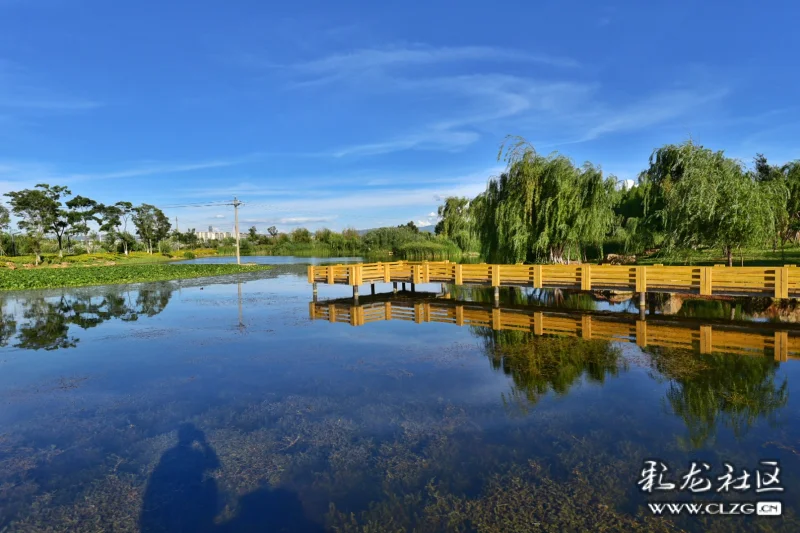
[(45, 210), (689, 198), (542, 208)]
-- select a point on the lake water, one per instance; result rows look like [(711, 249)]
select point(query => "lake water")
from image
[(220, 405)]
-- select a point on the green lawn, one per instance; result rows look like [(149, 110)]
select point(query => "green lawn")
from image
[(752, 257), (45, 278)]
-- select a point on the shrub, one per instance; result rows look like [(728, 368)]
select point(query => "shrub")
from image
[(189, 255)]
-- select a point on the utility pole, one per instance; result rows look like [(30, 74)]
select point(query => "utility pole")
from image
[(236, 204)]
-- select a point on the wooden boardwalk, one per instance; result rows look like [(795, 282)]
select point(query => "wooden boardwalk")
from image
[(737, 338), (775, 282)]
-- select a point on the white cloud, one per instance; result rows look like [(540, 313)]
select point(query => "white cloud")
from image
[(219, 216), (367, 60)]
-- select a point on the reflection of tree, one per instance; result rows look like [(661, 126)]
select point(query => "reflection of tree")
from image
[(563, 298), (540, 364), (151, 301), (709, 390), (731, 309), (8, 326), (48, 321), (47, 327)]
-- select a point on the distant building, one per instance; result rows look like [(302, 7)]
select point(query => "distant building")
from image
[(217, 235)]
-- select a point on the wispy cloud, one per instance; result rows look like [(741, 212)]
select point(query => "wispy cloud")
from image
[(335, 66), (18, 172)]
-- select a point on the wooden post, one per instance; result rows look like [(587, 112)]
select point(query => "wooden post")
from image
[(641, 279), (426, 307), (314, 289), (641, 333), (705, 280), (706, 339), (495, 275), (394, 287), (387, 273), (372, 288), (586, 326), (537, 276), (355, 291), (387, 309), (782, 282), (418, 313), (311, 273), (496, 319), (330, 275), (459, 315), (781, 346), (538, 323), (351, 275), (426, 273), (331, 313), (497, 296), (586, 277), (459, 275), (312, 310)]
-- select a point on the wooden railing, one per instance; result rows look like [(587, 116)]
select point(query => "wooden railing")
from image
[(653, 332), (777, 282)]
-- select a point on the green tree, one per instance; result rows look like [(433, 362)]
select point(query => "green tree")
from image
[(542, 208), (82, 212), (273, 231), (41, 212), (252, 234), (152, 225), (5, 222), (115, 222), (702, 199), (301, 236), (455, 223)]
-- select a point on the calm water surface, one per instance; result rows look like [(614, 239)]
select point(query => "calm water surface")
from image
[(221, 406)]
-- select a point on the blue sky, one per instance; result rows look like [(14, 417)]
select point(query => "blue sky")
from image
[(367, 113)]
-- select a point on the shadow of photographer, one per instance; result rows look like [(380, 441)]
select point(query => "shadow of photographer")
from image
[(180, 497)]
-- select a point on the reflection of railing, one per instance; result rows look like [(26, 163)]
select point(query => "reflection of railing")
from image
[(739, 339), (779, 282)]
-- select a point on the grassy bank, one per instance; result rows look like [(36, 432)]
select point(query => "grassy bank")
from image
[(104, 259), (47, 278)]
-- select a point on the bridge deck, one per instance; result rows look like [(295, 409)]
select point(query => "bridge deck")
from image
[(776, 282)]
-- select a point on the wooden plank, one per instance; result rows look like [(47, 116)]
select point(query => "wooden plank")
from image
[(706, 340), (641, 279), (641, 333), (781, 346), (538, 323), (495, 270), (586, 277), (586, 326)]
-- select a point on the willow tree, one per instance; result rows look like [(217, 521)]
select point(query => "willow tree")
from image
[(454, 222), (701, 199), (542, 208)]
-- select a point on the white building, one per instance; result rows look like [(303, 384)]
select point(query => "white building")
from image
[(216, 235)]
